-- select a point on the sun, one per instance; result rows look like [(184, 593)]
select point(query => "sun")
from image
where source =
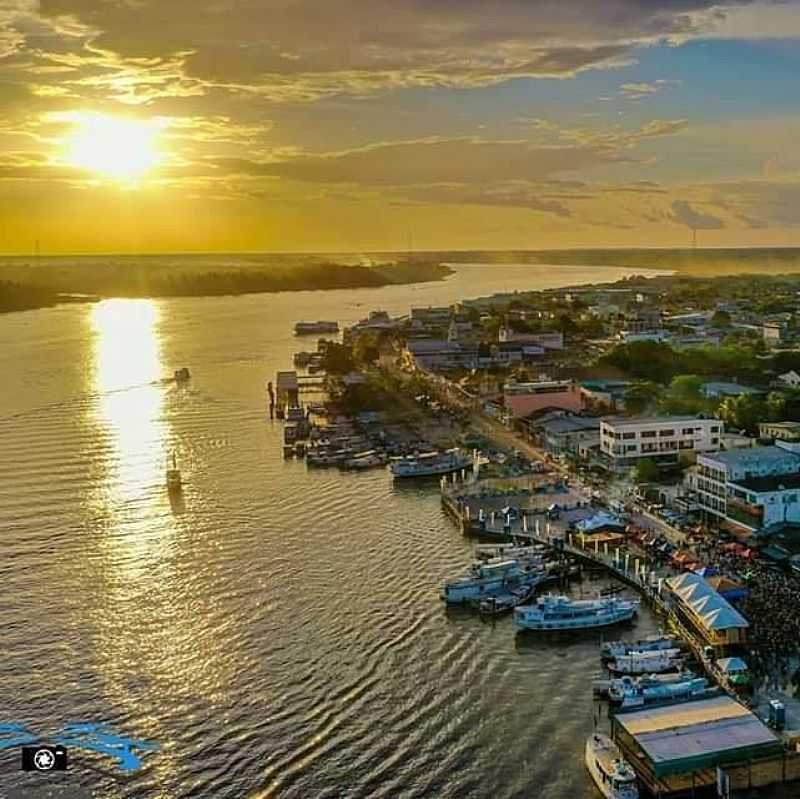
[(117, 148)]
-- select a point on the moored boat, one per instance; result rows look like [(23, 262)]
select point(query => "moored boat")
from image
[(562, 613), (307, 328), (612, 775), (628, 692), (173, 477), (430, 464), (652, 643), (487, 580), (655, 662)]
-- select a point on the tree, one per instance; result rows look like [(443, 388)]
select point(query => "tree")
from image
[(721, 319), (743, 412), (684, 395), (644, 360), (640, 396), (646, 471)]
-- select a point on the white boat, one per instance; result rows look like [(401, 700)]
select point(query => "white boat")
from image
[(307, 328), (487, 580), (647, 662), (652, 643), (562, 613), (174, 480), (430, 464), (612, 775)]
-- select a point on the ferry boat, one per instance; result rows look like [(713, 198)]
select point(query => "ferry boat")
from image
[(653, 643), (562, 613), (647, 662), (509, 551), (307, 328), (174, 481), (430, 464), (612, 775), (487, 580)]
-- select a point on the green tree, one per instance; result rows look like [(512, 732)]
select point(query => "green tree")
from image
[(646, 471), (721, 319), (684, 395), (743, 412), (639, 396)]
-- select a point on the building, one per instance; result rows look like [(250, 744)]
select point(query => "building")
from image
[(566, 434), (773, 332), (523, 399), (712, 617), (749, 488), (658, 336), (720, 390), (608, 394), (663, 439), (546, 340), (780, 431), (676, 748), (790, 378), (430, 355)]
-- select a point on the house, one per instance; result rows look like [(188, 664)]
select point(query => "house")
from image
[(566, 434), (773, 332), (605, 393), (790, 378), (663, 439), (720, 390), (430, 354), (780, 431), (522, 399), (548, 340), (749, 488), (628, 336)]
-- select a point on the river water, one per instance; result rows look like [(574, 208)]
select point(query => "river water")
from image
[(276, 632)]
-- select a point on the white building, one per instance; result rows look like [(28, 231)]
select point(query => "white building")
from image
[(663, 439), (750, 488)]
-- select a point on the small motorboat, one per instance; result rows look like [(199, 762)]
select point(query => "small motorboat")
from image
[(612, 775), (182, 375), (174, 480)]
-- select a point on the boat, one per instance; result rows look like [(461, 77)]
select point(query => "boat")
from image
[(174, 480), (647, 662), (181, 375), (611, 689), (554, 612), (295, 413), (628, 692), (364, 460), (612, 775), (307, 328), (652, 643), (502, 603), (487, 580), (430, 464), (302, 359), (509, 551)]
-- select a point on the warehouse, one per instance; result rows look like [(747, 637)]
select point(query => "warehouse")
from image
[(678, 747)]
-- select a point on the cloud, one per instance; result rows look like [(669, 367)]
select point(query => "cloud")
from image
[(684, 214), (302, 50), (638, 91)]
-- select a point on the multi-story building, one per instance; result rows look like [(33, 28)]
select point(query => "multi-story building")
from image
[(663, 439), (780, 431), (751, 488)]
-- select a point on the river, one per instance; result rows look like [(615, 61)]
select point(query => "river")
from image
[(276, 632)]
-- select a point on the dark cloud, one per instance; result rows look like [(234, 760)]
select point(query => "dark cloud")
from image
[(684, 214)]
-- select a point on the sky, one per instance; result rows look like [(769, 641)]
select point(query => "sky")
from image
[(309, 125)]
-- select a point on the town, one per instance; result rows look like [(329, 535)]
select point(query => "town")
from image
[(651, 421)]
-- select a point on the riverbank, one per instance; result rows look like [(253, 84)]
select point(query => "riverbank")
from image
[(52, 281)]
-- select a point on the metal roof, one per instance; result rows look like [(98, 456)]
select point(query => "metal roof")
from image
[(711, 608), (698, 734)]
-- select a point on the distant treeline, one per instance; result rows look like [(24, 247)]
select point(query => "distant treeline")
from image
[(43, 287), (19, 297)]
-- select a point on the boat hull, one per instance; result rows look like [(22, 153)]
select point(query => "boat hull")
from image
[(590, 622)]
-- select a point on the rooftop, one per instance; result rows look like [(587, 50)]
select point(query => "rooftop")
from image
[(776, 482), (757, 456), (635, 421), (570, 424), (712, 609), (698, 734)]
